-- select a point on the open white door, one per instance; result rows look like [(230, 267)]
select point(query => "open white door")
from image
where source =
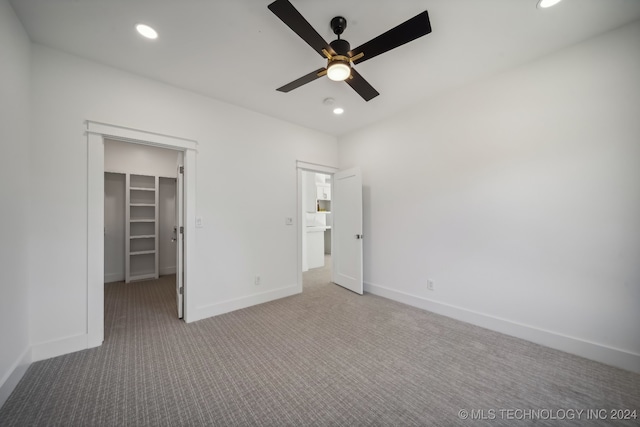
[(346, 250), (179, 242)]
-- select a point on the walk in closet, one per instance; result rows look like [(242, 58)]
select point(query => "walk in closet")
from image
[(140, 212)]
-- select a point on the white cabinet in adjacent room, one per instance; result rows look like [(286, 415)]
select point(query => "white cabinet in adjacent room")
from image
[(315, 247), (323, 191)]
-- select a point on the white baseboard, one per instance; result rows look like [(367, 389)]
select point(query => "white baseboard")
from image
[(590, 350), (59, 347), (167, 270), (113, 277), (203, 312), (15, 374)]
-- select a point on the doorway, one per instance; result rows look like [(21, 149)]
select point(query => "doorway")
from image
[(97, 133), (140, 216), (316, 228), (345, 205)]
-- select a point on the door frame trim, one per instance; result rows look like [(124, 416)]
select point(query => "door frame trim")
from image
[(96, 133)]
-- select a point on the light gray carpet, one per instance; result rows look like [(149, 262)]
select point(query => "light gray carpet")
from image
[(326, 357)]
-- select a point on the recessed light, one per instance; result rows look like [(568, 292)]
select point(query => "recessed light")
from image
[(338, 110), (147, 31), (543, 4)]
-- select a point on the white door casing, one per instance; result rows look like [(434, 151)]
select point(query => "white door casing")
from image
[(96, 133), (346, 231)]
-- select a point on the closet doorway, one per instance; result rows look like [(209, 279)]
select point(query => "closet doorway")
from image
[(97, 133), (143, 217)]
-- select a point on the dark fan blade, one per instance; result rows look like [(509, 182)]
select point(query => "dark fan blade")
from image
[(301, 81), (415, 27), (360, 85), (290, 16)]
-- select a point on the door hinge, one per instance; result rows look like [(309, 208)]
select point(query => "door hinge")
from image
[(359, 236), (181, 290), (181, 169), (181, 230)]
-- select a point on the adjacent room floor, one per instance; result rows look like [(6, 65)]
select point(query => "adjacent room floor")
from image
[(324, 357), (317, 277)]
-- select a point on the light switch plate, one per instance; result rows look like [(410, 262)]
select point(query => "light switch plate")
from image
[(199, 223), (288, 221)]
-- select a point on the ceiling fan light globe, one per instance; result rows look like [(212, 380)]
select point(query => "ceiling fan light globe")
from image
[(338, 71)]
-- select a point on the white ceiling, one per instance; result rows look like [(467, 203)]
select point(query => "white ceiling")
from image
[(239, 52)]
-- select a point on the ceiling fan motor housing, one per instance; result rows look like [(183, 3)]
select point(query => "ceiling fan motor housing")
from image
[(341, 47)]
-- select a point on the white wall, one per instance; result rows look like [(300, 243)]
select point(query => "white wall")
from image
[(520, 197), (246, 186), (114, 227), (124, 157), (15, 69)]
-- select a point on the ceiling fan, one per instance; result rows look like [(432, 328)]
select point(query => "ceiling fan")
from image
[(340, 57)]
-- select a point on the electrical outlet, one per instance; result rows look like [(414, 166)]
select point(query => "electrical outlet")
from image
[(430, 285), (256, 281), (288, 221)]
